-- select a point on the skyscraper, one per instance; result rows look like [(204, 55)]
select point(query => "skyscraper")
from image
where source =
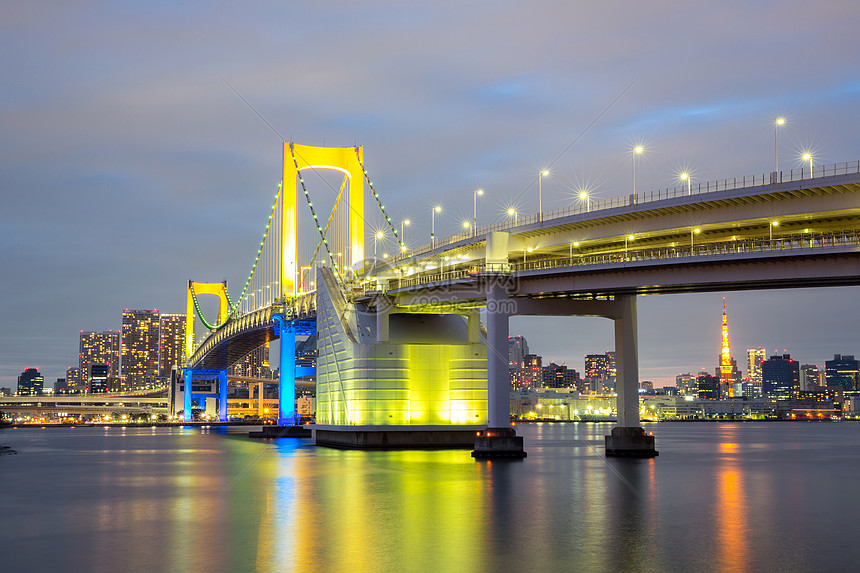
[(171, 342), (686, 384), (755, 356), (518, 348), (810, 376), (843, 371), (780, 377), (30, 382), (100, 348), (140, 331), (74, 380)]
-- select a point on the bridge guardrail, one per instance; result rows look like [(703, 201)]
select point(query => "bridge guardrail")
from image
[(701, 188), (809, 241)]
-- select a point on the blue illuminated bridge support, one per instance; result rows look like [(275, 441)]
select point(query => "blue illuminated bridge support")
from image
[(287, 331), (205, 390)]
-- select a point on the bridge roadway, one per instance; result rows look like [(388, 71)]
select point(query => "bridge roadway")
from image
[(744, 233), (716, 236)]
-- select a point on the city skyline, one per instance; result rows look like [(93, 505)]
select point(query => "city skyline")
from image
[(129, 165)]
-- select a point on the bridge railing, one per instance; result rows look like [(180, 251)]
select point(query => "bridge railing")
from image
[(594, 205), (806, 241)]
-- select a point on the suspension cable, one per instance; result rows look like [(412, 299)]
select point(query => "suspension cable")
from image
[(379, 203)]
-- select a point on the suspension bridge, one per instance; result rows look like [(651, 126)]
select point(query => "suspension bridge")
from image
[(404, 357)]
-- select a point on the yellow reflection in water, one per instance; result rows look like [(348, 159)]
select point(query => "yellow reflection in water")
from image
[(731, 510)]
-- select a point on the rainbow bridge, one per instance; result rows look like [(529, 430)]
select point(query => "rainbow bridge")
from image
[(413, 347)]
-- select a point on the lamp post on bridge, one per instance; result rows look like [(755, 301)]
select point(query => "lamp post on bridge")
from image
[(403, 223), (692, 233), (638, 150), (435, 210), (770, 229), (584, 196), (777, 122), (475, 211), (686, 177), (541, 175), (513, 213), (808, 157), (378, 235)]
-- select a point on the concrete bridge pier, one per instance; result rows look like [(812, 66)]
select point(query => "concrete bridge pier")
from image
[(628, 438), (499, 440)]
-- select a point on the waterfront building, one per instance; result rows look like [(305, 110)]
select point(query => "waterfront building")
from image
[(140, 332), (97, 376), (99, 348), (600, 371), (780, 377), (843, 371), (532, 371), (60, 386), (31, 383), (171, 343)]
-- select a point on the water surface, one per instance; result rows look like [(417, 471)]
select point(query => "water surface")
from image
[(721, 497)]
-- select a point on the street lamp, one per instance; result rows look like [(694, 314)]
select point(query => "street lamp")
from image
[(376, 238), (435, 210), (777, 122), (466, 224), (543, 173), (475, 212), (530, 249), (583, 196), (403, 223), (770, 228), (693, 232), (638, 150), (808, 157), (513, 213), (627, 238), (686, 177)]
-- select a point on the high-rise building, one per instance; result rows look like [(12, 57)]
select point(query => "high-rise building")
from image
[(171, 342), (686, 384), (755, 356), (100, 348), (843, 371), (810, 376), (518, 348), (74, 381), (255, 364), (708, 387), (560, 376), (532, 376), (140, 331), (30, 383), (780, 377)]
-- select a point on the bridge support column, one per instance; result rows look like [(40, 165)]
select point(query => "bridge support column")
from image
[(222, 396), (188, 374), (499, 440), (628, 438), (287, 382)]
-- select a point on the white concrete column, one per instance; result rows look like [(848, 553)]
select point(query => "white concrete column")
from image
[(627, 363), (383, 314), (498, 378), (474, 326)]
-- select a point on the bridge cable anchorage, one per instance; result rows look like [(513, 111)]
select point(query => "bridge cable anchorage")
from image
[(331, 217), (233, 307), (379, 203), (313, 212)]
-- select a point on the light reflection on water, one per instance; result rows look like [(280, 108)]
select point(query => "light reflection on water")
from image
[(720, 497)]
